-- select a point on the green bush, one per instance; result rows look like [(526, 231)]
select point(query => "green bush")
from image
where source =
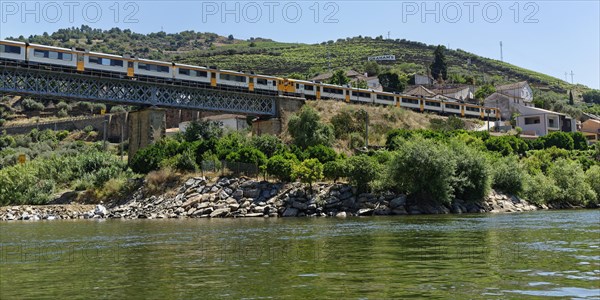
[(203, 130), (539, 189), (362, 170), (335, 169), (508, 175), (558, 139), (472, 179), (148, 159), (307, 130), (424, 169), (308, 171), (579, 141), (573, 188), (248, 155), (229, 143), (280, 167), (185, 161), (29, 104), (267, 144), (62, 113), (592, 176), (323, 153), (117, 109), (63, 106)]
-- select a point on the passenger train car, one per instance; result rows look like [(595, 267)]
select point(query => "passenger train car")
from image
[(125, 66)]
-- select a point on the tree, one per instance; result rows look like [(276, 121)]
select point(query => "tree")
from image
[(372, 68), (592, 96), (309, 171), (558, 139), (362, 170), (230, 37), (335, 169), (323, 153), (339, 77), (280, 167), (203, 130), (268, 144), (307, 130), (360, 84), (439, 69), (391, 82), (484, 91), (571, 101)]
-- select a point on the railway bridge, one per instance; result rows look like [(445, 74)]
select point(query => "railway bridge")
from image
[(147, 125)]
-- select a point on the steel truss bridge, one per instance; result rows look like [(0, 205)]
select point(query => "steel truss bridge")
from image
[(36, 81)]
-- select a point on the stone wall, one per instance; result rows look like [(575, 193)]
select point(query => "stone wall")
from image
[(145, 128)]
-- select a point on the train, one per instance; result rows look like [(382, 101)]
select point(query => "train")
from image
[(127, 66)]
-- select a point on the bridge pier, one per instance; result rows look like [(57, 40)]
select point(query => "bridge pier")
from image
[(146, 127)]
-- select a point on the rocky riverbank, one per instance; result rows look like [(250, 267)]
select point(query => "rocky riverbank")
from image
[(241, 197)]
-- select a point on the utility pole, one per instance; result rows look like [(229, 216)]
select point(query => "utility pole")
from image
[(104, 133), (388, 35), (501, 55), (329, 61), (572, 74)]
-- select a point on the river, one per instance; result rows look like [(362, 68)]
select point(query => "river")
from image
[(521, 255)]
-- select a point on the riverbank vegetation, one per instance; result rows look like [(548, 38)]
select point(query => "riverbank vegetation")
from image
[(432, 165)]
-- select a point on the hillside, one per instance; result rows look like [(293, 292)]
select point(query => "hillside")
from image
[(274, 58)]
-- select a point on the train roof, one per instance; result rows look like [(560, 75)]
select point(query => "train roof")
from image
[(13, 42), (106, 55), (49, 47), (155, 62), (190, 66)]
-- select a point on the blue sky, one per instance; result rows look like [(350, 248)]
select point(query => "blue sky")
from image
[(551, 37)]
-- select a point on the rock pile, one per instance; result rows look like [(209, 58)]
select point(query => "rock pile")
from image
[(242, 197)]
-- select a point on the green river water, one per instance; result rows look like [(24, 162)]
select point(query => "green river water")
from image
[(553, 254)]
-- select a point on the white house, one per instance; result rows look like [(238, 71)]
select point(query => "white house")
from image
[(539, 122), (508, 98), (228, 121), (459, 93)]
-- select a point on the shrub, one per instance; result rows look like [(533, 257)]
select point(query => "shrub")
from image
[(362, 170), (63, 106), (579, 141), (248, 155), (88, 129), (558, 139), (267, 144), (424, 169), (472, 176), (508, 175), (592, 176), (203, 130), (280, 167), (539, 189), (62, 113), (29, 104), (117, 109), (309, 171), (149, 158), (307, 130), (231, 142), (323, 153), (451, 123), (185, 161), (336, 169), (157, 182), (573, 188)]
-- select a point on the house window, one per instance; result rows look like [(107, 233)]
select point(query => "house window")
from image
[(551, 123), (530, 121)]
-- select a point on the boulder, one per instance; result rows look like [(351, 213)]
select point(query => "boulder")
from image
[(341, 214), (398, 202), (290, 212), (365, 212), (220, 213), (101, 210)]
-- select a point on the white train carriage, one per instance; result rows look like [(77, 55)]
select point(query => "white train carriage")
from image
[(232, 79), (153, 68), (410, 102), (472, 111), (264, 83), (192, 73), (384, 98), (452, 108), (106, 62), (52, 55), (306, 88), (329, 91), (13, 50), (432, 105), (361, 96)]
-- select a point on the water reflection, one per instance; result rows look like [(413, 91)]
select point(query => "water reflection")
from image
[(474, 256)]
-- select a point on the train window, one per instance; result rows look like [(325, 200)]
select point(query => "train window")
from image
[(230, 77), (431, 103), (361, 94), (261, 81), (153, 68), (184, 72), (452, 106), (309, 87), (106, 61), (469, 108), (40, 53), (65, 56), (410, 101), (201, 74), (10, 49), (384, 97), (274, 82), (333, 91)]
